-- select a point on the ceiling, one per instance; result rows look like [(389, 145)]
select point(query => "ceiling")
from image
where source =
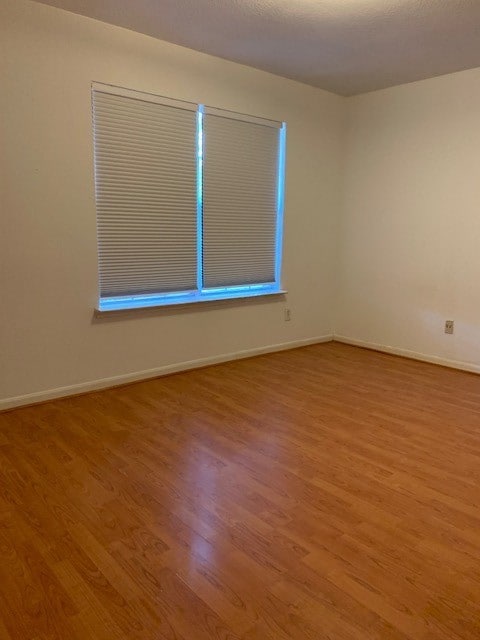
[(344, 46)]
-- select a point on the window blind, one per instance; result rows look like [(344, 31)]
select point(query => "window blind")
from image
[(146, 192), (240, 199)]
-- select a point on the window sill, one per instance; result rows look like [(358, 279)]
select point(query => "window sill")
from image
[(127, 303)]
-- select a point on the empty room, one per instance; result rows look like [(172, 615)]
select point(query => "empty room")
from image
[(239, 320)]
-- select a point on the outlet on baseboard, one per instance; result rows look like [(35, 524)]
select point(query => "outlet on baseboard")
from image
[(449, 326)]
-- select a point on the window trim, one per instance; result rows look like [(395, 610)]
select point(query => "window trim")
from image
[(201, 293), (152, 301)]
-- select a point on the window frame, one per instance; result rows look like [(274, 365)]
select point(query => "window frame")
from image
[(201, 293)]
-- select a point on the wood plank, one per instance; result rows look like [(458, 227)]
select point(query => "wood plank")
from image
[(321, 493)]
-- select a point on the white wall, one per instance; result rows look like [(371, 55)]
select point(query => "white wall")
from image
[(410, 230), (382, 238), (48, 263)]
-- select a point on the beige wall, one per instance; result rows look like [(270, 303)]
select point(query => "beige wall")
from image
[(382, 229), (48, 263), (410, 232)]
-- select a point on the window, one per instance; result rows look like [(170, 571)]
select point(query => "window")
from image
[(189, 201)]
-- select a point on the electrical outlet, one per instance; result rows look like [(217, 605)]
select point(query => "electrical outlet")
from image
[(288, 317), (449, 326)]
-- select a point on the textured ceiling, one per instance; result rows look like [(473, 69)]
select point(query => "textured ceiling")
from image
[(344, 46)]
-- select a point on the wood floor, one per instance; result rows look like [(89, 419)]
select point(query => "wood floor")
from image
[(325, 492)]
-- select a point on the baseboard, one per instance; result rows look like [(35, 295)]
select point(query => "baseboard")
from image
[(414, 355), (115, 381)]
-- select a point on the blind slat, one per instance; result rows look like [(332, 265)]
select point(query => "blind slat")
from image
[(145, 176), (240, 176), (146, 195)]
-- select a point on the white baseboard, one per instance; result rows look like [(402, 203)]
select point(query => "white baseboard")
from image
[(414, 355), (115, 381)]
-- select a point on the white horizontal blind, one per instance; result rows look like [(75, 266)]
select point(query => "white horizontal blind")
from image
[(145, 176), (240, 191)]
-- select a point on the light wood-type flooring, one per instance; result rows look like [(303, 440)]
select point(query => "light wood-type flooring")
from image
[(327, 492)]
